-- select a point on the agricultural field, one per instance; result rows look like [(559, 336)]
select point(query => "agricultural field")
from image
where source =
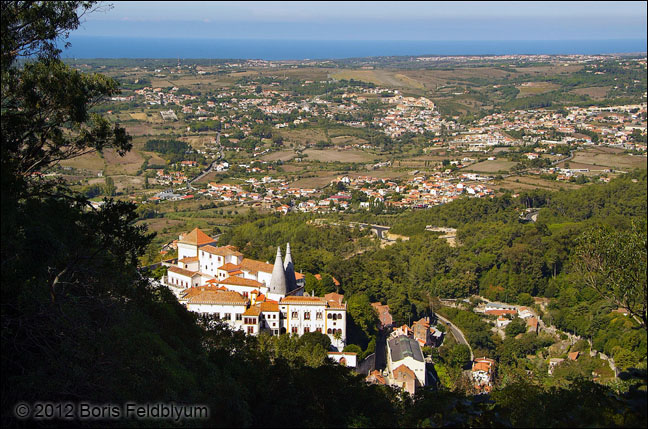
[(93, 163), (123, 183), (118, 165), (527, 183), (319, 179), (595, 92), (284, 155), (303, 136), (490, 166), (601, 158), (534, 88), (347, 140), (332, 155)]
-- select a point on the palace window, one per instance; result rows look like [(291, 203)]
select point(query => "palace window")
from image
[(307, 315), (319, 330), (306, 329), (294, 330), (227, 316), (295, 315), (318, 316), (239, 316)]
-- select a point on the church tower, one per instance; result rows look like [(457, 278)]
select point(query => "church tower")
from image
[(289, 268), (278, 284)]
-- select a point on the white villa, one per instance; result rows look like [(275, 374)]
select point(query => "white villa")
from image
[(405, 363), (249, 295)]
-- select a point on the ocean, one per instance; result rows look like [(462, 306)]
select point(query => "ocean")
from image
[(122, 47)]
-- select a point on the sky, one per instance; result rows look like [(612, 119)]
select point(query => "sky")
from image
[(416, 21)]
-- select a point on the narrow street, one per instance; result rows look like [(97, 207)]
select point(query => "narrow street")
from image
[(456, 332)]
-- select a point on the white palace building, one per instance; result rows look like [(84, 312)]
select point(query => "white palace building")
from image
[(249, 295)]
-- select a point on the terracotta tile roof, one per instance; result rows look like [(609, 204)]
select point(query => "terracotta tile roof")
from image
[(240, 281), (229, 267), (403, 370), (221, 251), (307, 300), (335, 282), (422, 322), (334, 297), (269, 306), (573, 355), (252, 311), (189, 259), (336, 306), (196, 237), (376, 377), (183, 272), (481, 366), (210, 295), (253, 266), (500, 312)]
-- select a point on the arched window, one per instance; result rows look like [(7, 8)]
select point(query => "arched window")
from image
[(328, 331)]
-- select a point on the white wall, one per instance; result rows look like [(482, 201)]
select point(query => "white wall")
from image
[(221, 309), (417, 366), (178, 280), (209, 263), (300, 322), (187, 250), (351, 358)]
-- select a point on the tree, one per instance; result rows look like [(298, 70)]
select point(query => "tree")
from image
[(41, 97), (517, 326), (458, 356), (109, 187), (613, 262), (363, 314)]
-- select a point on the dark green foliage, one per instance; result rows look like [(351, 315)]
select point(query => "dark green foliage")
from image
[(460, 212), (477, 332), (315, 249), (173, 150), (517, 326), (614, 264)]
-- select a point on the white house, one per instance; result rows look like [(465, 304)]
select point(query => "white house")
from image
[(250, 295), (405, 351)]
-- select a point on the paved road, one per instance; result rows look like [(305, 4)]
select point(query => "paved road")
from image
[(381, 351), (211, 166), (558, 161), (456, 332)]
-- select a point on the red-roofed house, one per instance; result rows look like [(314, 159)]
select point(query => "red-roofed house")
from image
[(384, 316)]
